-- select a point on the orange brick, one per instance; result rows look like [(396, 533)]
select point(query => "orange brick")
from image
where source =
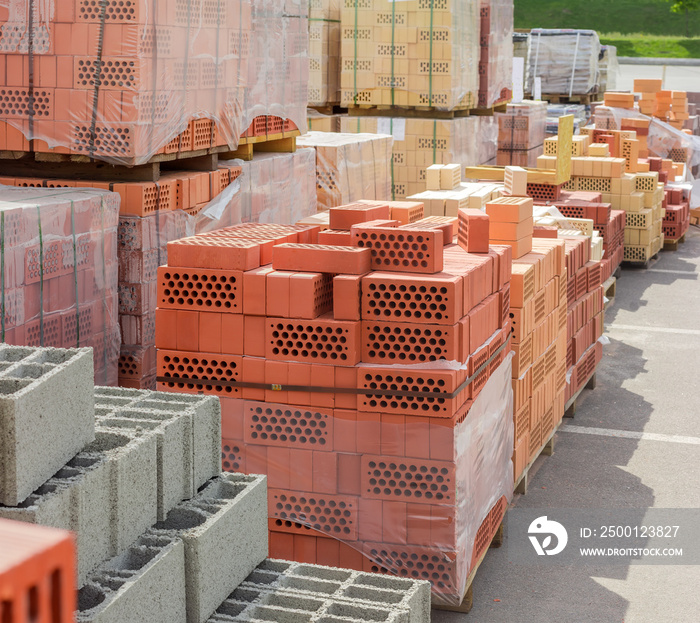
[(322, 258), (344, 217), (474, 231), (200, 252), (401, 250)]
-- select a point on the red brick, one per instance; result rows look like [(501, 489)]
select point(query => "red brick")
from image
[(321, 258), (474, 231), (401, 250)]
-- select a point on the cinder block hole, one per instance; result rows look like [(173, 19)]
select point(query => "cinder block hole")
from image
[(104, 401), (66, 473), (89, 597), (181, 519), (129, 424), (111, 582), (373, 594), (245, 594), (357, 612), (137, 558), (262, 577), (293, 602), (320, 573), (53, 356), (14, 353), (230, 608), (278, 566), (380, 581), (12, 386), (308, 584), (118, 392), (224, 490), (104, 442), (162, 405)]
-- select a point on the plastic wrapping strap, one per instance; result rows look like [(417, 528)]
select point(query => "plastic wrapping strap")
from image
[(2, 273), (104, 285), (30, 71), (41, 277), (354, 63), (98, 78), (75, 275), (573, 67), (277, 387), (186, 71), (393, 50)]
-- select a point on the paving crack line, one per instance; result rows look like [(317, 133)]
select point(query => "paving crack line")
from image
[(629, 434)]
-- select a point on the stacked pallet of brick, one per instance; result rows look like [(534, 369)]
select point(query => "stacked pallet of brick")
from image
[(521, 133), (284, 353), (496, 58), (537, 314), (566, 61), (419, 143), (585, 315), (677, 216), (414, 54), (350, 167), (609, 68), (59, 271), (324, 52), (122, 82), (639, 194)]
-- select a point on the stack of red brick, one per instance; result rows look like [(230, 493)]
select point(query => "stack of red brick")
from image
[(521, 133), (609, 223), (677, 219), (585, 317), (58, 253), (496, 52), (307, 345)]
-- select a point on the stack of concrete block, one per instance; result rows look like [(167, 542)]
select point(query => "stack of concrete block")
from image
[(278, 590)]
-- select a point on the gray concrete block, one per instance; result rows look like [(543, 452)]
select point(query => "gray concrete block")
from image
[(188, 430), (345, 586), (146, 584), (46, 415), (257, 605), (224, 529), (106, 495)]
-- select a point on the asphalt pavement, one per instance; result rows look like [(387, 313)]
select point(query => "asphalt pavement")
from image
[(675, 77), (647, 386)]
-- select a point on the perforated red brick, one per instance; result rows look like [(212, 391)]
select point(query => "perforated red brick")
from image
[(473, 235), (434, 299), (334, 515), (422, 381), (321, 340), (212, 253), (408, 343), (200, 289), (280, 425), (408, 480), (199, 372), (401, 250), (447, 224)]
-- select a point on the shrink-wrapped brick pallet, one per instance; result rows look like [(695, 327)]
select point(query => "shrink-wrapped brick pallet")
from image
[(58, 254), (521, 133), (496, 60), (301, 351), (350, 167), (565, 60), (418, 143), (324, 52), (123, 81), (420, 53)]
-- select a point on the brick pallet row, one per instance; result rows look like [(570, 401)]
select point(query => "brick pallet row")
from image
[(496, 52), (298, 406), (324, 53), (59, 271), (92, 79), (419, 143)]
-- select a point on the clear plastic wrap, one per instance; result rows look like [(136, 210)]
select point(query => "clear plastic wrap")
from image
[(126, 80), (496, 61), (58, 259), (609, 68), (319, 122), (350, 167), (418, 143), (521, 133), (488, 139), (565, 60), (555, 111), (324, 52), (412, 53)]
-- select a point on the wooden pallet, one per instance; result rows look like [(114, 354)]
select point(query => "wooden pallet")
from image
[(547, 449), (329, 109), (609, 290), (585, 99), (283, 142), (423, 112), (570, 407), (468, 597), (489, 110), (672, 245)]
